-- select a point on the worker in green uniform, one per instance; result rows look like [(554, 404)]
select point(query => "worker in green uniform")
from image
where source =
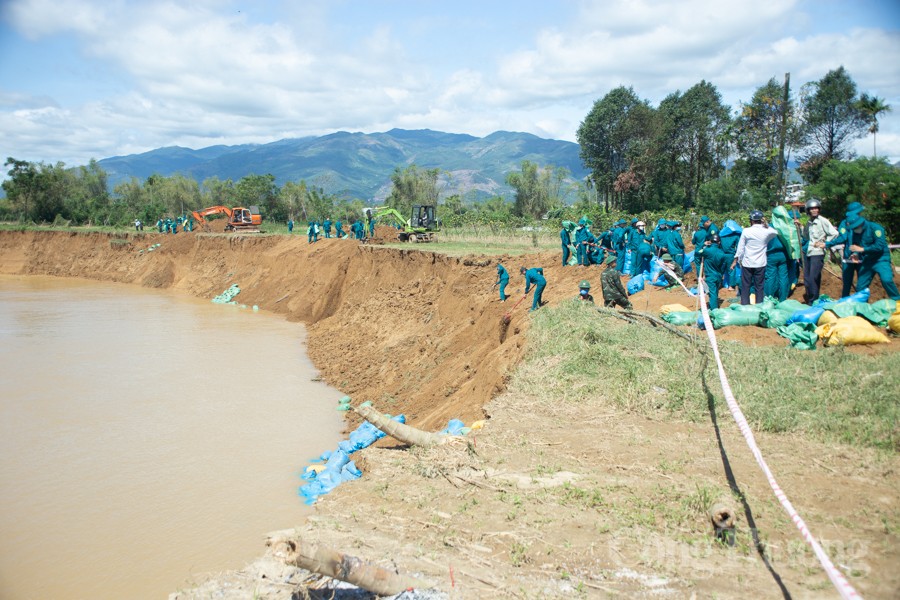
[(706, 230), (534, 277), (659, 237), (326, 225), (778, 284), (618, 241), (866, 252), (584, 291), (730, 240), (642, 256), (565, 236), (614, 292), (675, 246), (667, 263), (715, 265), (502, 281), (634, 237), (581, 233)]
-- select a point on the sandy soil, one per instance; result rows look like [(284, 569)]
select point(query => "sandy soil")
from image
[(547, 500)]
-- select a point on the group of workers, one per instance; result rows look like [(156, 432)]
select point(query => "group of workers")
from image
[(170, 225), (614, 293), (622, 239), (766, 268), (317, 227), (752, 259)]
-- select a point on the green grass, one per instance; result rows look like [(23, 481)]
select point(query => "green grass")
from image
[(830, 393)]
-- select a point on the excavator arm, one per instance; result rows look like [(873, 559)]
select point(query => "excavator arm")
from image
[(200, 215)]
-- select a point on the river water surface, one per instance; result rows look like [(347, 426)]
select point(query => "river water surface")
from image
[(146, 438)]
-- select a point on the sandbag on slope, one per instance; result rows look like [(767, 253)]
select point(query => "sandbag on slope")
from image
[(681, 317), (800, 335)]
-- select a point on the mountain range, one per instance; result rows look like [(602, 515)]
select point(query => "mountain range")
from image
[(359, 165)]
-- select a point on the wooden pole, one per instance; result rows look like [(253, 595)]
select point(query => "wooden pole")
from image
[(783, 135)]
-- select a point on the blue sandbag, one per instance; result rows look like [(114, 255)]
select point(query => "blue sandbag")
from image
[(626, 268), (860, 296), (338, 459), (656, 269), (812, 314), (688, 262), (454, 427), (635, 284), (349, 472), (807, 315)]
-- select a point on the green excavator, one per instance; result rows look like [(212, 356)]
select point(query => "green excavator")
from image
[(420, 227)]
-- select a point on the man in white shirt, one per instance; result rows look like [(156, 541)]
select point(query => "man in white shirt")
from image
[(751, 255), (818, 230)]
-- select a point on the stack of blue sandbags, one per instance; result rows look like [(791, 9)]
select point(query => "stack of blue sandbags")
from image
[(338, 467)]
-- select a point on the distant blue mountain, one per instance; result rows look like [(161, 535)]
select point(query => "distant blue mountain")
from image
[(359, 165)]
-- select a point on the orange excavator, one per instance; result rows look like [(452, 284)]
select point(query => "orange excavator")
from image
[(246, 220)]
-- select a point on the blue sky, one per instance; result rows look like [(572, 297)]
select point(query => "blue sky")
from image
[(82, 79)]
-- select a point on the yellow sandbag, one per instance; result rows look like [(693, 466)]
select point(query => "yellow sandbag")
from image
[(317, 468), (477, 425), (894, 320), (673, 308), (827, 317), (849, 331)]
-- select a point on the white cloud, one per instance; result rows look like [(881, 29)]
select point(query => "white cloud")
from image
[(207, 72)]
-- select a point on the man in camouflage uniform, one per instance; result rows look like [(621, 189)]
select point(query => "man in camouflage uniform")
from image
[(613, 291)]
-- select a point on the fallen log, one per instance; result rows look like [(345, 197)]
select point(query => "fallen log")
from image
[(325, 561), (400, 431)]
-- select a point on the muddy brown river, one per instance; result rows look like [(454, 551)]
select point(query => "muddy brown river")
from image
[(146, 437)]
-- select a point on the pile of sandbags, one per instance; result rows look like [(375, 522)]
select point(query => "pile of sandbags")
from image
[(849, 320)]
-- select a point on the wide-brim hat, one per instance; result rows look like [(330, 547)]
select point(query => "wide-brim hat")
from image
[(854, 220), (610, 259), (666, 256), (855, 207)]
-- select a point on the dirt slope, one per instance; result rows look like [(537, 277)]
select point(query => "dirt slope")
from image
[(420, 333)]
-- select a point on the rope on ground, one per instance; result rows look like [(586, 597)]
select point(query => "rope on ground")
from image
[(843, 586), (631, 316), (656, 321)]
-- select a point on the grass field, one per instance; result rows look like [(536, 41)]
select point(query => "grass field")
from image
[(830, 393)]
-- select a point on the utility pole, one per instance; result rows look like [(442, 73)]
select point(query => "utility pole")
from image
[(783, 136)]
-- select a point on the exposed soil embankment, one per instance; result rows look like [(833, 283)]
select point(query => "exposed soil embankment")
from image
[(416, 331)]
